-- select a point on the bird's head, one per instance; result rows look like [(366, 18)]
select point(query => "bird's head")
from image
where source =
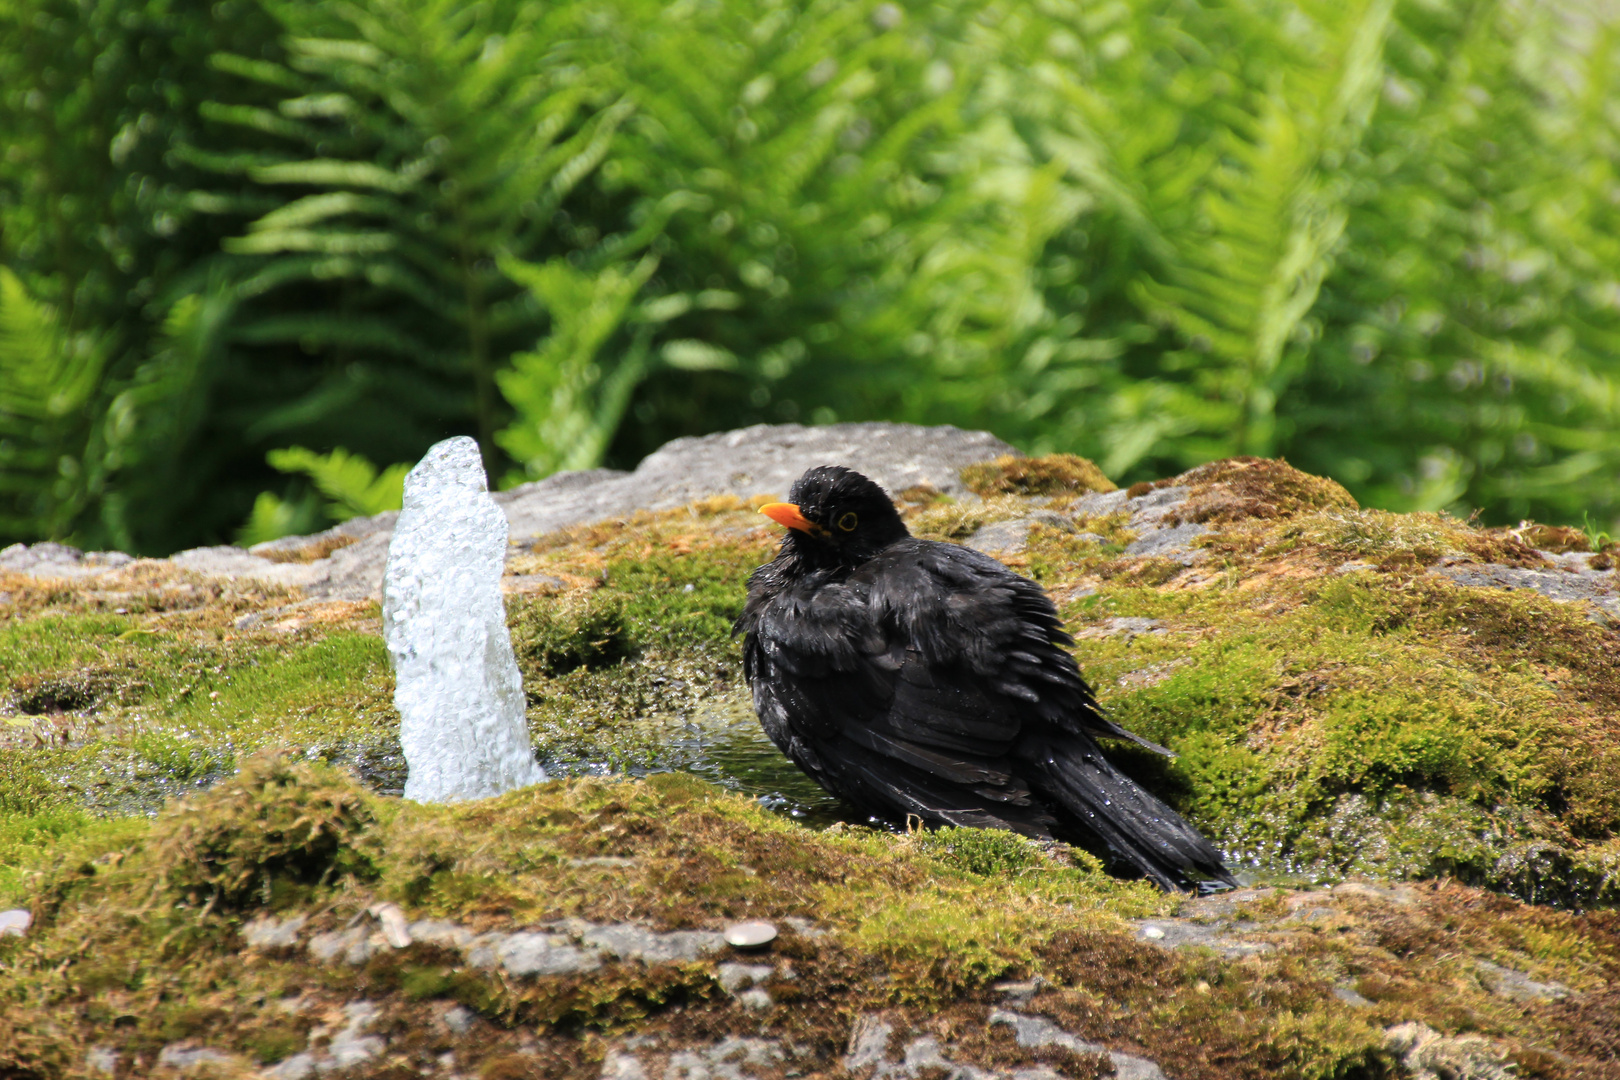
[(835, 515)]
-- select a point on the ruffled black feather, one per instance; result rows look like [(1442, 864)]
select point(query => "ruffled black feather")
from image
[(915, 678)]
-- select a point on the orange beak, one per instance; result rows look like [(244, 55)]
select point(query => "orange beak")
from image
[(788, 514)]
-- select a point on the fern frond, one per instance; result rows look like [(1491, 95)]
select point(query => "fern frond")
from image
[(353, 485), (567, 406)]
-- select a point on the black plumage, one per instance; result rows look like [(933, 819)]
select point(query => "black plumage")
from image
[(916, 678)]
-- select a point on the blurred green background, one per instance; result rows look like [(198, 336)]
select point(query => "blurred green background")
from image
[(253, 253)]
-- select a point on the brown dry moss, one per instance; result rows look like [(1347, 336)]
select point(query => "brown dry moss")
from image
[(1054, 474), (1247, 488), (319, 548)]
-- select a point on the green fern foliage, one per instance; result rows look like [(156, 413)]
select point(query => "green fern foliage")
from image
[(568, 399), (47, 378), (1377, 237), (273, 517), (353, 485)]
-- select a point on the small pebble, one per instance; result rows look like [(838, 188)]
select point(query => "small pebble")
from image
[(1153, 933), (16, 922), (750, 935)]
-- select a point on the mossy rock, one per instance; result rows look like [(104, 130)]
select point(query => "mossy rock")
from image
[(1344, 704), (953, 937), (1054, 474)]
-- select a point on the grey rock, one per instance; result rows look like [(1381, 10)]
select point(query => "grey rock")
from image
[(354, 572), (1098, 504), (1149, 512), (353, 945), (751, 461), (729, 1059), (1034, 1032), (923, 1057), (1428, 1055), (1010, 537), (804, 927), (759, 460), (352, 530), (460, 698), (458, 1018), (756, 998), (395, 931), (1517, 986), (868, 1056), (1171, 543), (15, 923), (619, 1065), (1178, 933), (351, 1046), (484, 951), (1351, 998), (868, 1043), (438, 932), (1152, 507), (1569, 583), (53, 560), (184, 1058), (630, 942), (735, 977), (542, 954), (299, 1066), (268, 932), (101, 1059), (232, 563)]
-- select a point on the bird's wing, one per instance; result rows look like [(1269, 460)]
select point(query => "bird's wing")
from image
[(857, 704), (911, 682), (966, 610)]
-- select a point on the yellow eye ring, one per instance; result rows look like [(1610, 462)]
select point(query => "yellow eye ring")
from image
[(848, 522)]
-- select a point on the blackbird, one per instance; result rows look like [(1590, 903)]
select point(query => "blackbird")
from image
[(914, 678)]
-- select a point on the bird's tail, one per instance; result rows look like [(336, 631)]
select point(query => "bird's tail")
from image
[(1112, 813)]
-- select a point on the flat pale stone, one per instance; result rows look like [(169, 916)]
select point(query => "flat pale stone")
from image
[(750, 935)]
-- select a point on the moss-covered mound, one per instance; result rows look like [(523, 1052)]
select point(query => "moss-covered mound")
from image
[(1352, 693), (288, 919)]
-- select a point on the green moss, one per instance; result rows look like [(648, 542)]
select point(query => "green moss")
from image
[(130, 952), (1345, 726), (958, 521), (552, 637), (277, 823), (55, 642), (986, 852)]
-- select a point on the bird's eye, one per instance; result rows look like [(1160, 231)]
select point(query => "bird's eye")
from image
[(847, 522)]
